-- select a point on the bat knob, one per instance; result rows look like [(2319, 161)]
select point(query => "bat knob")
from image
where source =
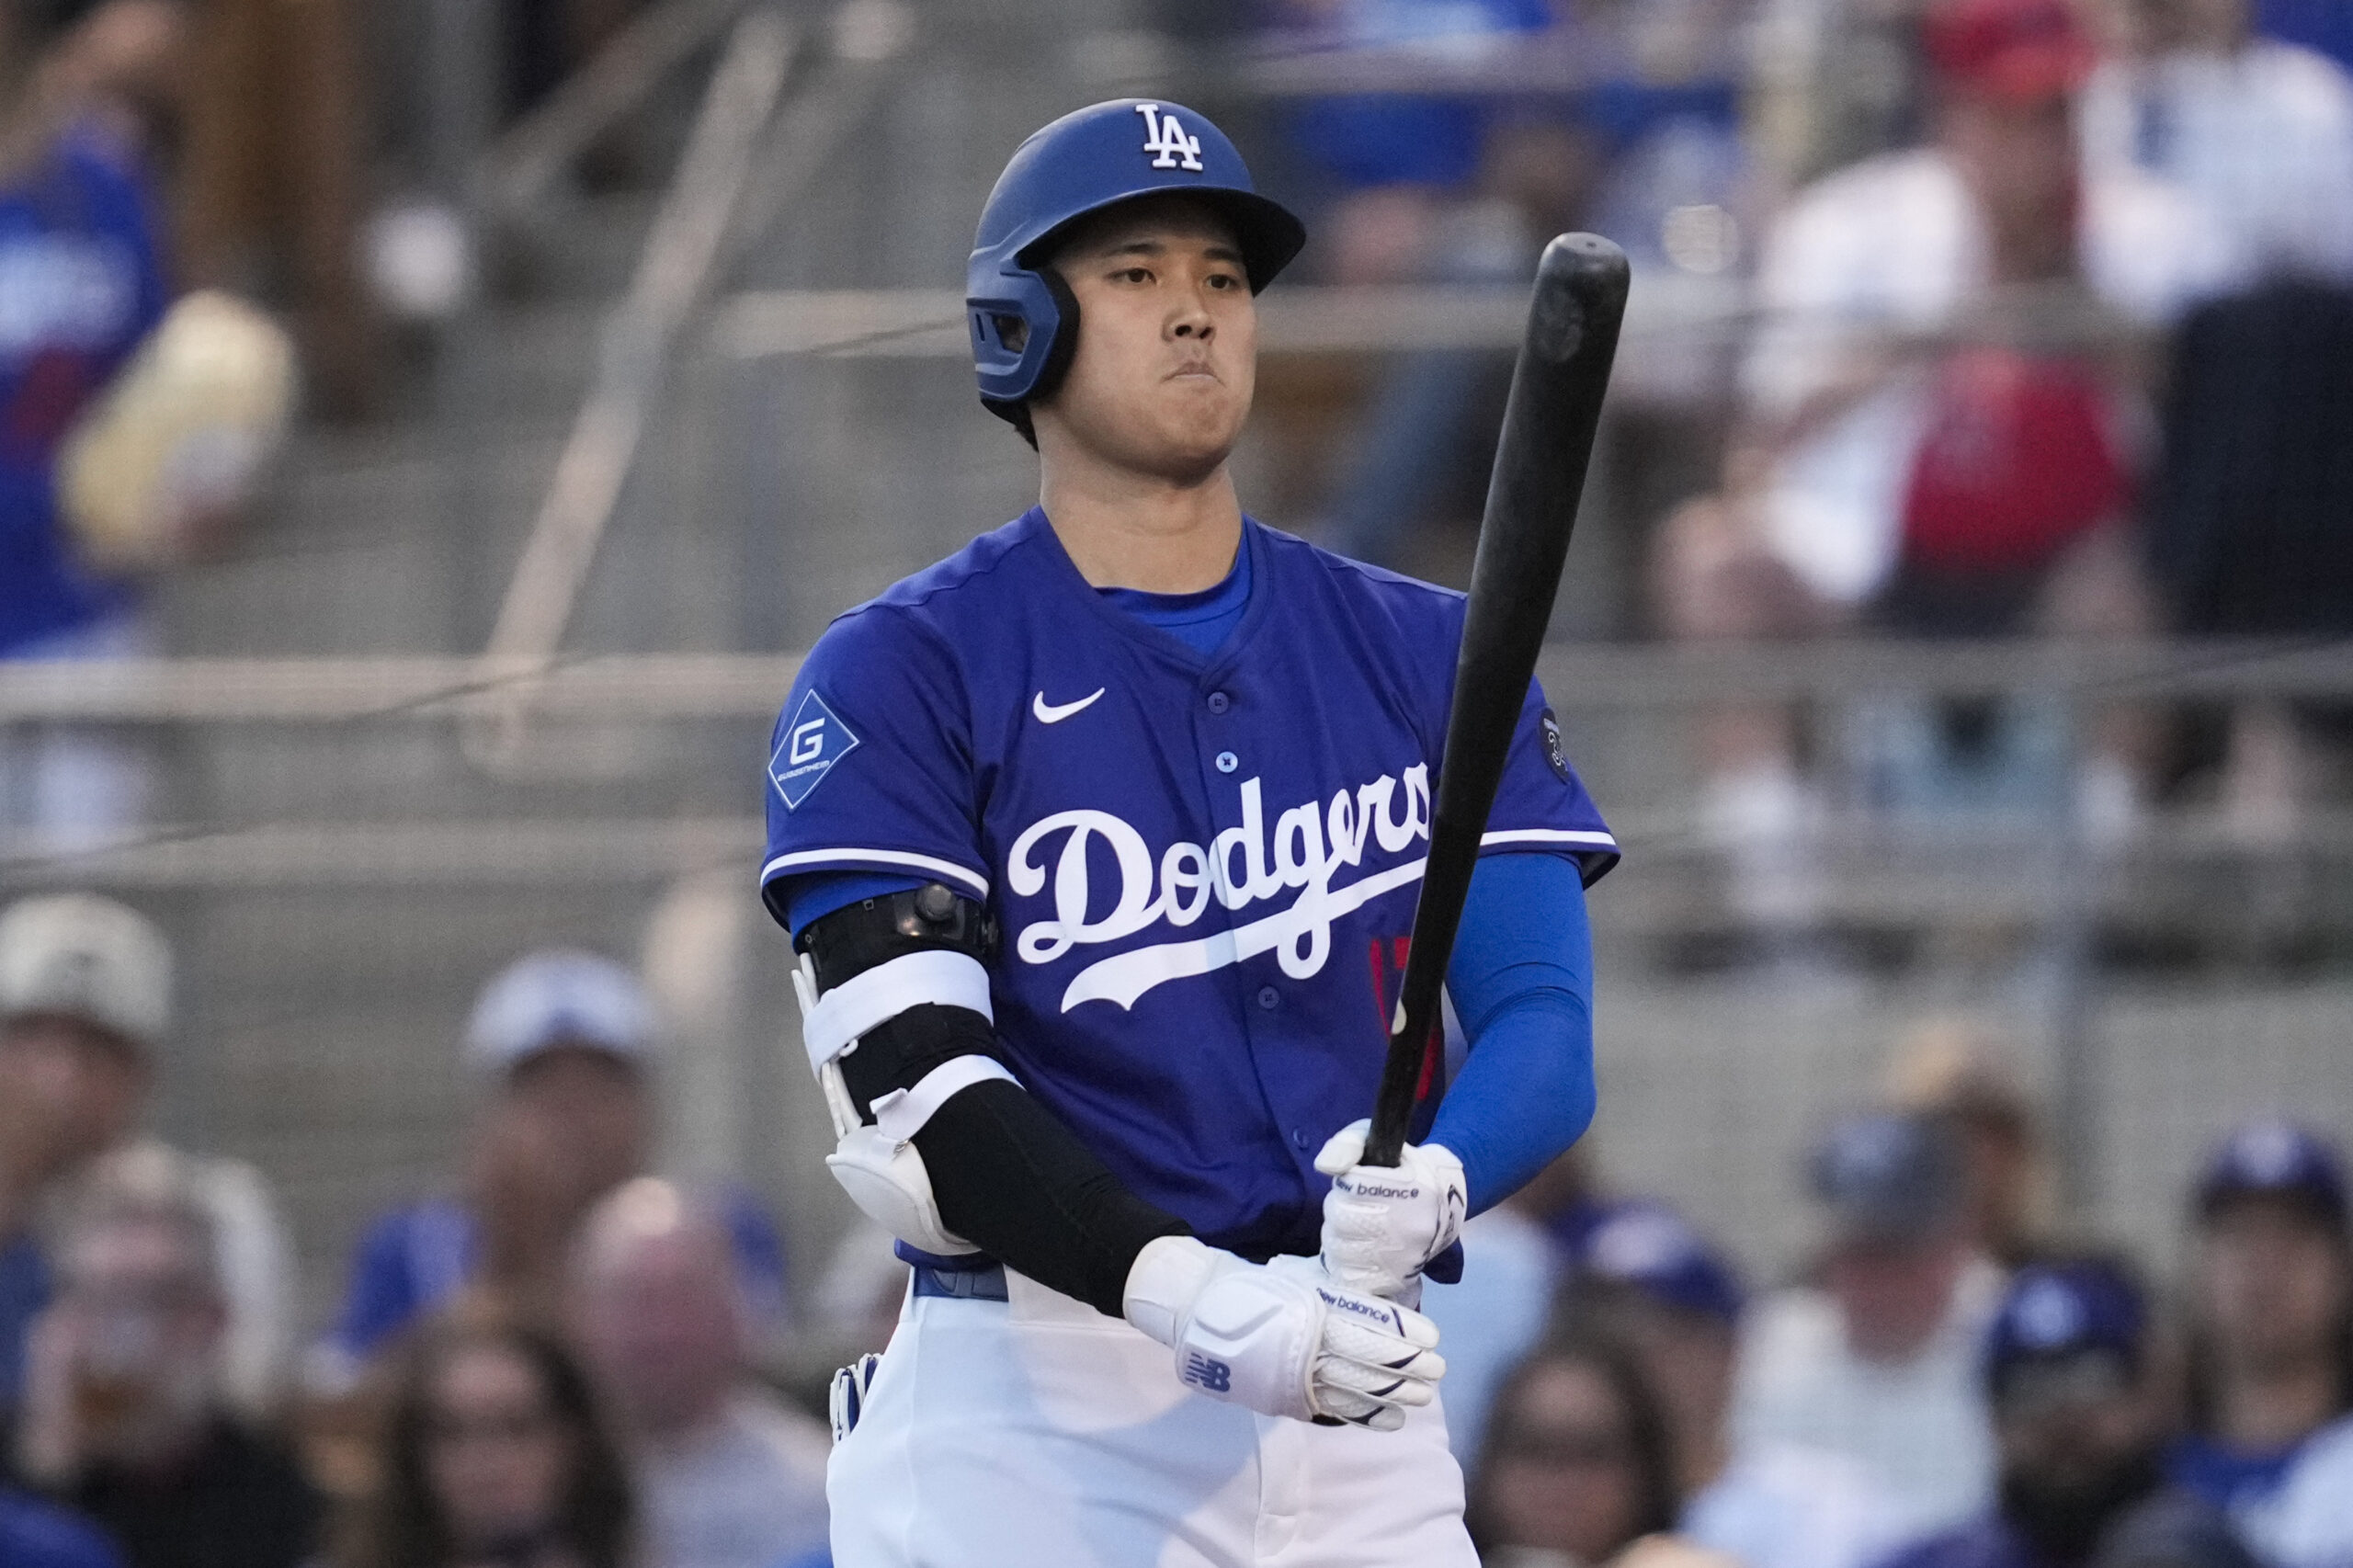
[(1581, 281)]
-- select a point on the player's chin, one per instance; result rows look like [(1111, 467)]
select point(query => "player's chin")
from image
[(1199, 425)]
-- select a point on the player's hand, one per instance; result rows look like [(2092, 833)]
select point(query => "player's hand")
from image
[(1281, 1338), (1381, 1226)]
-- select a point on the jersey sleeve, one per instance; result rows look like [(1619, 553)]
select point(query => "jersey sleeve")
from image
[(1542, 804), (871, 765)]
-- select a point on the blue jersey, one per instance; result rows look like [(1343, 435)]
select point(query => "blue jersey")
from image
[(80, 285), (1203, 866)]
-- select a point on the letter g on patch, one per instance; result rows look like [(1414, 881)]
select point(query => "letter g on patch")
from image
[(814, 740)]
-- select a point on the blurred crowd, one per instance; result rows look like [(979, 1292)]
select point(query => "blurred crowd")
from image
[(561, 1360), (2036, 316), (1996, 317), (2029, 317), (1945, 1383), (192, 229), (558, 1360)]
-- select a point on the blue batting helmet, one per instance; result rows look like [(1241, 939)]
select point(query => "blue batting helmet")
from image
[(1023, 318)]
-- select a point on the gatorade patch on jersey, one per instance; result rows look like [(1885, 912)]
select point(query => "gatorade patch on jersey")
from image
[(812, 743), (1553, 752)]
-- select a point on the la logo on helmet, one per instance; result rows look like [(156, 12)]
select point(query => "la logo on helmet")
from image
[(1165, 139)]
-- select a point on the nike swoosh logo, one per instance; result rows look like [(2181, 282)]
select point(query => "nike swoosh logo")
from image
[(1054, 713)]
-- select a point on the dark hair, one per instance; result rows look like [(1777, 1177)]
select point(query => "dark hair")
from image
[(1580, 1341), (403, 1526), (2202, 1368)]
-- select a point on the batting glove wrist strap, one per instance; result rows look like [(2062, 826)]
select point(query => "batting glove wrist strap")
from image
[(1281, 1338), (1381, 1226)]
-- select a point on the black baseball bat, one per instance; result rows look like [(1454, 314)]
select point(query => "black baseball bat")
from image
[(1541, 461)]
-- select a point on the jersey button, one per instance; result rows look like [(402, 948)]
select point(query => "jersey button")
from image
[(1220, 702), (1299, 1136), (1269, 998), (1227, 762)]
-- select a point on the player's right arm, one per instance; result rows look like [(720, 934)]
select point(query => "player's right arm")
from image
[(870, 775)]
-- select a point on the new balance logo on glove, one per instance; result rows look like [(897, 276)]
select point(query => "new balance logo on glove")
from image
[(1215, 1377)]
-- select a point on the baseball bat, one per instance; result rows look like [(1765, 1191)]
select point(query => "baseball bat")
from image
[(1557, 386)]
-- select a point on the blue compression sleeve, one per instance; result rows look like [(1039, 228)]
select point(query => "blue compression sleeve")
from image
[(814, 896), (1522, 983)]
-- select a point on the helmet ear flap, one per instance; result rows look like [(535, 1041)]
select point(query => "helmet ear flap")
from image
[(1016, 326), (1052, 357), (1065, 344)]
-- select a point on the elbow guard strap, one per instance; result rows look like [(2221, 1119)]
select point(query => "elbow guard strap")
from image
[(896, 1020), (834, 1022)]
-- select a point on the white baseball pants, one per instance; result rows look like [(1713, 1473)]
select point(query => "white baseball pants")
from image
[(1035, 1431)]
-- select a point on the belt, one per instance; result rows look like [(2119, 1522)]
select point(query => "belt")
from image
[(961, 1284)]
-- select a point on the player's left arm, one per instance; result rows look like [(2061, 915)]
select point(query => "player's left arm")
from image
[(1521, 978), (1521, 981)]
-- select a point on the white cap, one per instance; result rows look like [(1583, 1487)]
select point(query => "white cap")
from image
[(558, 997), (89, 958)]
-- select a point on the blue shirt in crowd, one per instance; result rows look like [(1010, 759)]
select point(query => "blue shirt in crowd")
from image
[(2229, 1478), (24, 1291), (1989, 1543), (1376, 138), (414, 1259), (81, 282), (35, 1535)]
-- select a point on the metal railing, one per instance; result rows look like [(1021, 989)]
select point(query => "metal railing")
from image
[(1580, 675)]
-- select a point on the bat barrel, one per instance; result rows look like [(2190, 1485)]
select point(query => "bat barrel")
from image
[(1557, 388)]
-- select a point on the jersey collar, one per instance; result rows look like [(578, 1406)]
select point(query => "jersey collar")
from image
[(1142, 632)]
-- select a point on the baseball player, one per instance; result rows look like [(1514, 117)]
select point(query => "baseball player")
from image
[(1098, 842)]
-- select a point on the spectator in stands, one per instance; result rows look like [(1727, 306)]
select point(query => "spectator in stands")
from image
[(35, 1535), (273, 177), (2245, 515), (1512, 1262), (1879, 1362), (566, 1042), (1425, 188), (2259, 133), (85, 993), (2271, 1350), (2172, 1532), (1678, 1303), (81, 265), (2079, 1407), (124, 1417), (728, 1475), (1886, 477), (1578, 1464), (1958, 1070), (494, 1457)]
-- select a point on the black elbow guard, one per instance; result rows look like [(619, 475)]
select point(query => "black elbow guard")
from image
[(914, 1009)]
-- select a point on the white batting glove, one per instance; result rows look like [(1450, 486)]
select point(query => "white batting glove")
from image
[(1381, 1226), (1281, 1338)]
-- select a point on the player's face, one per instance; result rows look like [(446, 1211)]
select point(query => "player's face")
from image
[(1167, 361)]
